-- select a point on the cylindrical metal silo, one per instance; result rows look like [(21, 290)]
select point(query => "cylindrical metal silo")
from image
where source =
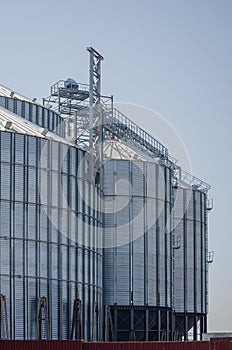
[(190, 259), (138, 254), (35, 113), (47, 229)]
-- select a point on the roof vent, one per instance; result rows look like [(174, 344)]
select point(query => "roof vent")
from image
[(44, 132), (7, 124)]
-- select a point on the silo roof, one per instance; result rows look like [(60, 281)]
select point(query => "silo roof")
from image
[(117, 149), (11, 122), (5, 91)]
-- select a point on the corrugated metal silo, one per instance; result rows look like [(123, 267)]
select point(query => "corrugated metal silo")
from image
[(190, 260), (35, 113), (47, 244), (138, 264)]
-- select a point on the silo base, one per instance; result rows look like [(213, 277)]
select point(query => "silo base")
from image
[(138, 323), (190, 326)]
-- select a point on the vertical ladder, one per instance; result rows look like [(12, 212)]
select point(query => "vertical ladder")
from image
[(76, 320), (3, 318), (42, 321)]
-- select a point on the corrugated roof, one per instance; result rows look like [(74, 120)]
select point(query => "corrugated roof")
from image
[(5, 91), (11, 122), (117, 149)]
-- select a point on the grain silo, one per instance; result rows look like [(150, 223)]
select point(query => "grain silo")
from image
[(191, 259), (138, 265), (45, 256), (102, 235)]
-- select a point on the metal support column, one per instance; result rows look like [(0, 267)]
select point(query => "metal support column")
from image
[(4, 334), (95, 322), (159, 324), (108, 324), (195, 321), (203, 328), (115, 323), (132, 336), (147, 324), (185, 327), (168, 326), (76, 320), (173, 327), (205, 324), (42, 323)]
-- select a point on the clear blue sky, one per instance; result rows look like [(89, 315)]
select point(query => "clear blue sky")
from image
[(173, 56)]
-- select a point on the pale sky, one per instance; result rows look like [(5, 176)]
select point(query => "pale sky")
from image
[(171, 56)]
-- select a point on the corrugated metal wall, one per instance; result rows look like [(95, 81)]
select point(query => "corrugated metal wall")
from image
[(37, 114), (47, 229), (138, 255), (221, 344), (137, 267), (190, 265), (190, 262), (38, 258)]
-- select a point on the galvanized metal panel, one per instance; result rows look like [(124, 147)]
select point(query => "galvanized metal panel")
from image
[(5, 181), (32, 151), (5, 215), (140, 269), (19, 306), (26, 113), (40, 260), (32, 185), (190, 259), (19, 179), (31, 306), (37, 114), (6, 146), (19, 145)]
